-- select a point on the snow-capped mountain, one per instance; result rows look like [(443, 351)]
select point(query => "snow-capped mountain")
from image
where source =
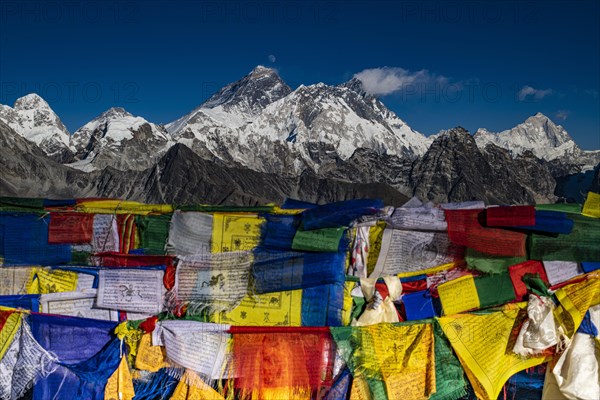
[(537, 134), (118, 139), (32, 118), (259, 123)]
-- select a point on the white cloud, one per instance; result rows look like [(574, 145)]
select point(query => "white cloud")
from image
[(388, 80), (562, 114), (530, 92)]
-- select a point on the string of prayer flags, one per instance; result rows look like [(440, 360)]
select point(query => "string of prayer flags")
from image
[(282, 363), (480, 341)]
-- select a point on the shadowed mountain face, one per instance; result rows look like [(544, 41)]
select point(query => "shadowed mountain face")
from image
[(180, 177)]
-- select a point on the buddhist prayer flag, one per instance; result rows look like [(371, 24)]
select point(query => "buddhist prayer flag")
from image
[(350, 300)]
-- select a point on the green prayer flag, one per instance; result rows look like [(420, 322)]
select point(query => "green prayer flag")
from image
[(490, 264), (494, 290), (450, 381), (323, 240), (153, 230), (580, 245)]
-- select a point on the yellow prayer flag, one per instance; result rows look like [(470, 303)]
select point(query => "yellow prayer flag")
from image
[(591, 208), (459, 295), (149, 358), (429, 271), (575, 300), (481, 342), (10, 321), (268, 309), (191, 387), (235, 232), (120, 384), (402, 356), (360, 389), (46, 280), (122, 207), (347, 308), (375, 237)]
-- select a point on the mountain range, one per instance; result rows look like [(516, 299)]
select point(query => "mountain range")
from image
[(256, 140)]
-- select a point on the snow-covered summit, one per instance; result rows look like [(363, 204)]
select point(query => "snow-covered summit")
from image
[(32, 118), (260, 123), (114, 135), (537, 134)]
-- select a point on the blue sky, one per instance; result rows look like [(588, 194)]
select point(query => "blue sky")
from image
[(436, 64)]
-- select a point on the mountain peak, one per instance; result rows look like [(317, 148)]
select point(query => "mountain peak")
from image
[(260, 69), (30, 101), (538, 134), (113, 113), (355, 85), (251, 94)]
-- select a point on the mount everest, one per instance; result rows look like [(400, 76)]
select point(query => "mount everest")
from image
[(335, 134)]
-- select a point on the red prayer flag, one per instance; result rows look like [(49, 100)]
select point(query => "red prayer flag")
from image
[(70, 227), (510, 216), (517, 272), (465, 228)]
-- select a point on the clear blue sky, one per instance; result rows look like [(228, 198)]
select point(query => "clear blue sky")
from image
[(161, 59)]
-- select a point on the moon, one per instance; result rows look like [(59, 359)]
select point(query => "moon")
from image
[(272, 58)]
